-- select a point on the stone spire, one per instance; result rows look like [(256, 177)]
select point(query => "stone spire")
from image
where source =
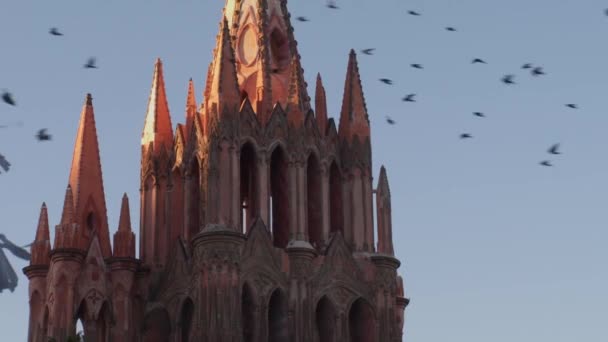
[(222, 86), (353, 116), (321, 105), (191, 110), (298, 102), (124, 239), (42, 244), (86, 182), (383, 207), (157, 128), (65, 230)]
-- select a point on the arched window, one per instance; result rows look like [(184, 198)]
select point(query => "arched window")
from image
[(336, 212), (279, 201), (278, 330), (249, 186), (195, 201), (186, 320), (361, 322), (248, 314), (157, 326), (313, 181), (325, 319)]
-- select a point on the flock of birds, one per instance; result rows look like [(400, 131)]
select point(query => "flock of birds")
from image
[(9, 99), (509, 79)]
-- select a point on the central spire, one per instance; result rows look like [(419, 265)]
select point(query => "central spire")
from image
[(264, 48)]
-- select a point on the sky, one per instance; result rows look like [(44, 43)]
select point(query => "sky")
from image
[(493, 246)]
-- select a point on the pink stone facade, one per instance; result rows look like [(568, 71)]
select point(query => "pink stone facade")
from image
[(256, 219)]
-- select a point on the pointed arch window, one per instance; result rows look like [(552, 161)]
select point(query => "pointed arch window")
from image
[(336, 212), (278, 318), (249, 186)]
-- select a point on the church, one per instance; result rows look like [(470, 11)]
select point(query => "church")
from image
[(257, 213)]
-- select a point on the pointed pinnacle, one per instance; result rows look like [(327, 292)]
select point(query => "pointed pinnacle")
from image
[(67, 215), (89, 100), (42, 232), (125, 216)]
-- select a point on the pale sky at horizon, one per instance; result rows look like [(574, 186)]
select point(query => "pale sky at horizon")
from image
[(493, 246)]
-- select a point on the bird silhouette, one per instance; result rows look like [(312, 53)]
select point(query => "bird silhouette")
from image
[(508, 79), (8, 98), (479, 114), (386, 81), (554, 149), (416, 66), (368, 51), (413, 13), (572, 105), (4, 164), (450, 28), (390, 121), (527, 66), (42, 135), (302, 19), (409, 98), (546, 163), (538, 71), (55, 32), (465, 136), (332, 5), (91, 63)]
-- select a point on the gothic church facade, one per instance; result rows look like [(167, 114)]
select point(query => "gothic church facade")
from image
[(256, 220)]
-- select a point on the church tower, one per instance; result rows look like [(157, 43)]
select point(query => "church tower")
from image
[(256, 214)]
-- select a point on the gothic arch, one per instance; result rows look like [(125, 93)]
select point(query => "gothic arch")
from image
[(279, 197), (248, 313), (361, 321), (249, 185), (325, 320), (96, 325), (314, 199), (185, 320), (278, 315), (157, 326), (336, 211)]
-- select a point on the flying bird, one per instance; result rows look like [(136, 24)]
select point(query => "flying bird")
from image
[(8, 98), (386, 81), (413, 13), (465, 136), (368, 51), (4, 164), (527, 66), (546, 163), (572, 105), (554, 149), (42, 135), (91, 63), (538, 71), (478, 60), (480, 114), (409, 98), (332, 5), (416, 66), (390, 121), (16, 250), (508, 79), (55, 32), (302, 19), (450, 28)]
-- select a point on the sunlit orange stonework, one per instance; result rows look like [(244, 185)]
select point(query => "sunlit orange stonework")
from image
[(256, 220)]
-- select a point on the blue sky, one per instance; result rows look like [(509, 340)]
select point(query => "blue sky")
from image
[(493, 246)]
